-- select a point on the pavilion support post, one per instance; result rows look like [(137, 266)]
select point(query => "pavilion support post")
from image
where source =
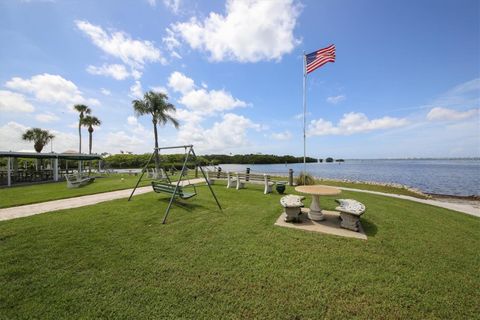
[(15, 165), (9, 171), (79, 167), (55, 169)]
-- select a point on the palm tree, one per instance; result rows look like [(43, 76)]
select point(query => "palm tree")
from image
[(90, 122), (82, 110), (156, 105), (40, 139)]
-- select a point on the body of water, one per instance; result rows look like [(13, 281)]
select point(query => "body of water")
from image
[(453, 177)]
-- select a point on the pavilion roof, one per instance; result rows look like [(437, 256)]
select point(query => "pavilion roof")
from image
[(50, 155)]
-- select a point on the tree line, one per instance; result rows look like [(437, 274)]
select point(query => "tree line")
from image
[(168, 161)]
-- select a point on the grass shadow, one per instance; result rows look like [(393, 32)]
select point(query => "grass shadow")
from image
[(369, 227), (181, 203)]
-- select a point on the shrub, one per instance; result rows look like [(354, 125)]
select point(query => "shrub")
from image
[(304, 179)]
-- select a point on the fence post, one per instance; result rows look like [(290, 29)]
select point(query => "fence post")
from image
[(247, 177), (290, 177)]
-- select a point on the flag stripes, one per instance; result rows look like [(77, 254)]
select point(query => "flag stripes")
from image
[(318, 58)]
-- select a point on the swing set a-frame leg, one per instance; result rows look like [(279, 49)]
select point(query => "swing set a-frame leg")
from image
[(176, 187), (141, 176), (191, 151), (208, 182)]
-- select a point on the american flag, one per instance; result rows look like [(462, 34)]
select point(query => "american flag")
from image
[(318, 58)]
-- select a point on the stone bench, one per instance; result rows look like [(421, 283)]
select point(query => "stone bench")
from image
[(292, 205), (350, 212)]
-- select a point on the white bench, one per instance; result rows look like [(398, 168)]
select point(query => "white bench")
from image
[(292, 205), (242, 178), (213, 176), (350, 212), (74, 181)]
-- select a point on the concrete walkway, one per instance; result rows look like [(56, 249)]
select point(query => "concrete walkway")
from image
[(464, 208), (37, 208)]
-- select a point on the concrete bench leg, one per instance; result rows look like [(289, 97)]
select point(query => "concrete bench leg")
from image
[(292, 214), (268, 189), (349, 221)]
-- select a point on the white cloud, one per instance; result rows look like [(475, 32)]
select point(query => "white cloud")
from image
[(201, 100), (230, 133), (336, 99), (171, 43), (160, 89), (153, 3), (211, 101), (300, 116), (250, 31), (105, 91), (131, 120), (188, 116), (136, 90), (460, 96), (47, 117), (180, 83), (135, 53), (173, 5), (50, 88), (286, 135), (445, 114), (14, 102), (11, 139), (135, 126), (121, 140), (116, 71), (352, 123)]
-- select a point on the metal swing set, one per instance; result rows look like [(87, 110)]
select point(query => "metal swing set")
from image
[(176, 190)]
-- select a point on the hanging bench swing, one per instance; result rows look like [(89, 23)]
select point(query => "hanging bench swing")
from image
[(162, 187), (175, 190)]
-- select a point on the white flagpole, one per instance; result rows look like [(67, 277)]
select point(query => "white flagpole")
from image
[(304, 116)]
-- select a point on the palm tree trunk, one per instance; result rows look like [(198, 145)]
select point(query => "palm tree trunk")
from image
[(79, 137), (157, 158), (79, 146), (90, 133)]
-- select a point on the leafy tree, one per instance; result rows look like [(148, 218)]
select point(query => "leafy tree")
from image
[(82, 110), (155, 104)]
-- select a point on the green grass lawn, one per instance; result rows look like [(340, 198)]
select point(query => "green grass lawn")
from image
[(21, 195), (116, 260)]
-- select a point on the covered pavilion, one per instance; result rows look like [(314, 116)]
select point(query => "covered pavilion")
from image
[(15, 175)]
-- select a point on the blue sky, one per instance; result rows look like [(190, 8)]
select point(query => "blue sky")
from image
[(406, 82)]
